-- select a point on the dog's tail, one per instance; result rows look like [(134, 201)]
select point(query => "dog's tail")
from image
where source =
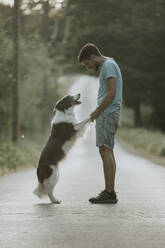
[(40, 190)]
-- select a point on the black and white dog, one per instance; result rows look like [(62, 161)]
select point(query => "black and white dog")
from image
[(64, 132)]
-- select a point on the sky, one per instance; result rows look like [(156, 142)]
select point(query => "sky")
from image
[(10, 2)]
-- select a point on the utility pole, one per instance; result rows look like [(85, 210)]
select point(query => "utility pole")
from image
[(15, 89), (45, 36)]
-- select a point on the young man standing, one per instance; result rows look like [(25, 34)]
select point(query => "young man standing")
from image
[(107, 114)]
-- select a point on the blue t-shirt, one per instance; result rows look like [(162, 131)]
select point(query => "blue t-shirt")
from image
[(110, 69)]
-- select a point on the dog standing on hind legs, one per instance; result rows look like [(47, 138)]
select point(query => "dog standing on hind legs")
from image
[(64, 132)]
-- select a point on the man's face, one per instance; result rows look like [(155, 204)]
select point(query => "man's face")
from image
[(92, 64)]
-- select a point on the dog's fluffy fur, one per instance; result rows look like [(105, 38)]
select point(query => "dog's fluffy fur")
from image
[(64, 132)]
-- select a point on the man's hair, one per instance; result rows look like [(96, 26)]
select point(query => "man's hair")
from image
[(88, 50)]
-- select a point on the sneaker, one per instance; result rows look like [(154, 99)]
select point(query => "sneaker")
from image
[(105, 197)]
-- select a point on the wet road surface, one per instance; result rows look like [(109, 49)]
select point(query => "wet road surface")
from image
[(138, 220)]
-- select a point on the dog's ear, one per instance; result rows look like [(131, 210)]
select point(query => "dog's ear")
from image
[(60, 105)]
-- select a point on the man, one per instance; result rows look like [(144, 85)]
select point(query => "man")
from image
[(107, 114)]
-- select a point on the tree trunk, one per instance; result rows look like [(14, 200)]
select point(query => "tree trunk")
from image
[(45, 21), (15, 112), (45, 35), (137, 115), (45, 103)]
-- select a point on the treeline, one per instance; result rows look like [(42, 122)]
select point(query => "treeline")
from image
[(39, 36), (133, 33)]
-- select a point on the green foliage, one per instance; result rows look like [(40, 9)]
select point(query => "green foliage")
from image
[(5, 81), (141, 138), (37, 72), (38, 89), (13, 157), (152, 142)]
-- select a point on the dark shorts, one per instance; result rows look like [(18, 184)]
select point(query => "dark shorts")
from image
[(106, 128)]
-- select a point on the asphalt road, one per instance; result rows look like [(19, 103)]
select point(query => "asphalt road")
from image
[(136, 221)]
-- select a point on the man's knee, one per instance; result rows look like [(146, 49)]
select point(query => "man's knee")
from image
[(101, 150), (104, 149)]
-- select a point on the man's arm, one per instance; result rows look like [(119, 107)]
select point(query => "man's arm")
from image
[(111, 92)]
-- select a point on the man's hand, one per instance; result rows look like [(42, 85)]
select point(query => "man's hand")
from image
[(94, 114)]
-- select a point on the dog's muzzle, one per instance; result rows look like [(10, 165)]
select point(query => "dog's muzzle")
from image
[(76, 99)]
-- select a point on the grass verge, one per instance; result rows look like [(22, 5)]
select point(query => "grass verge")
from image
[(147, 143), (13, 157)]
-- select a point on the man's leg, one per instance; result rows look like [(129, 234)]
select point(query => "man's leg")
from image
[(109, 166), (106, 126)]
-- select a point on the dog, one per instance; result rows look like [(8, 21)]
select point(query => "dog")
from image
[(64, 132)]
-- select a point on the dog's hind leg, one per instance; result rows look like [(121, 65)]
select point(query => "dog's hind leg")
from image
[(40, 190), (50, 183), (52, 198)]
